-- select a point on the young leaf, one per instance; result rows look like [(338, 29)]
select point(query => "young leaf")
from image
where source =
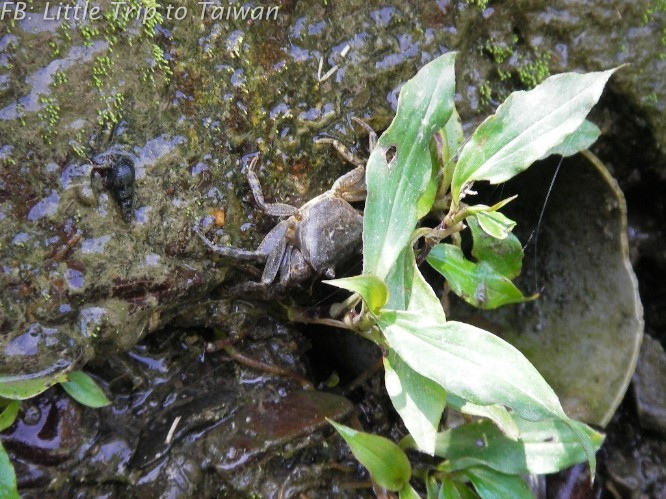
[(25, 386), (455, 490), (482, 208), (528, 125), (490, 484), (387, 463), (443, 149), (7, 476), (448, 490), (543, 447), (419, 401), (471, 363), (448, 142), (84, 390), (432, 487), (371, 288), (408, 492), (504, 255), (495, 224), (479, 284), (400, 167), (8, 415), (427, 198)]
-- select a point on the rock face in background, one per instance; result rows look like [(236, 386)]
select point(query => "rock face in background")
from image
[(649, 388), (583, 36), (191, 100)]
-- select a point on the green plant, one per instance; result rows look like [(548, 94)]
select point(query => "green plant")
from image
[(101, 69), (88, 33), (532, 73), (111, 114), (421, 162), (480, 4), (656, 8), (527, 66), (13, 389), (50, 114), (59, 78)]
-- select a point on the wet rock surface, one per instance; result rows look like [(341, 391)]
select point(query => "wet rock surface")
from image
[(80, 280), (184, 423), (649, 388), (633, 464)]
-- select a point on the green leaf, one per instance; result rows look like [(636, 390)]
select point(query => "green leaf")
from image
[(8, 415), (504, 255), (408, 290), (395, 188), (455, 490), (419, 401), (490, 484), (84, 390), (479, 208), (432, 487), (494, 371), (448, 142), (427, 198), (495, 224), (25, 386), (7, 476), (479, 284), (371, 288), (408, 492), (387, 463), (497, 413), (586, 135), (465, 491), (587, 440), (454, 137), (543, 447), (448, 490), (528, 125), (471, 363)]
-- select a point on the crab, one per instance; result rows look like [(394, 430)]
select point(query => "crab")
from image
[(324, 232)]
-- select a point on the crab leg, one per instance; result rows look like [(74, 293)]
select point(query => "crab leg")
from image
[(351, 186), (231, 251), (275, 209), (372, 135), (342, 150), (275, 243)]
